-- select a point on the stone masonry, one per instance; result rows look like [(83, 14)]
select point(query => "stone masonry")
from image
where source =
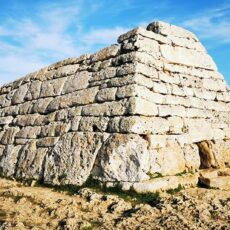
[(153, 104)]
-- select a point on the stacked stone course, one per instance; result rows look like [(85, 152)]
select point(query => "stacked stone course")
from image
[(144, 106)]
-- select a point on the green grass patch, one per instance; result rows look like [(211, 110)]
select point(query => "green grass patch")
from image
[(2, 214), (175, 190), (154, 175)]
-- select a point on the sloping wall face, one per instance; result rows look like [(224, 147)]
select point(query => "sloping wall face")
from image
[(154, 103)]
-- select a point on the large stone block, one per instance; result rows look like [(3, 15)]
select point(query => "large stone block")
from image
[(72, 158), (168, 160), (30, 163), (76, 82), (8, 161), (122, 158), (187, 57)]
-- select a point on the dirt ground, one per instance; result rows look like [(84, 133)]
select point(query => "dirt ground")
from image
[(26, 207)]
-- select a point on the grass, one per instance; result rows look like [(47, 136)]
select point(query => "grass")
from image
[(131, 195), (2, 214), (175, 190), (155, 175)]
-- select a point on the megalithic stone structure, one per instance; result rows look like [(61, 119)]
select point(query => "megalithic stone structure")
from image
[(153, 104)]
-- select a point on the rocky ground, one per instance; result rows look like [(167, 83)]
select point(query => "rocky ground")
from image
[(25, 207)]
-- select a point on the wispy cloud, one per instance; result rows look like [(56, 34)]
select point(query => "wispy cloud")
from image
[(212, 24), (103, 36), (54, 32)]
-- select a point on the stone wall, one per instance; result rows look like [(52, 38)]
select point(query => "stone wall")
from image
[(154, 103)]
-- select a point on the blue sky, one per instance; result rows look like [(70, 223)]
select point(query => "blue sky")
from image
[(34, 34)]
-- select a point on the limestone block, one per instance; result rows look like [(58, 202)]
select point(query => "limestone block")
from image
[(167, 29), (29, 132), (130, 79), (193, 128), (162, 88), (75, 121), (187, 57), (83, 97), (4, 102), (221, 150), (25, 108), (222, 182), (6, 120), (197, 102), (9, 135), (107, 94), (156, 185), (25, 120), (72, 158), (144, 33), (144, 125), (136, 105), (187, 43), (137, 68), (106, 53), (74, 111), (192, 157), (19, 94), (66, 70), (93, 124), (62, 115), (169, 78), (188, 180), (8, 161), (157, 141), (224, 96), (139, 91), (47, 142), (40, 106), (176, 90), (9, 111), (176, 100), (176, 125), (54, 130), (167, 110), (33, 90), (105, 109), (168, 160), (103, 74), (188, 91), (2, 147), (52, 87), (122, 158), (147, 45), (30, 162), (196, 113), (214, 85), (44, 119), (76, 82)]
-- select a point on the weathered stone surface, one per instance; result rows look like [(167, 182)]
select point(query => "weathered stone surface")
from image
[(52, 87), (9, 135), (166, 183), (19, 94), (72, 158), (76, 82), (8, 160), (30, 163), (192, 157), (122, 158), (168, 160), (187, 57), (155, 103)]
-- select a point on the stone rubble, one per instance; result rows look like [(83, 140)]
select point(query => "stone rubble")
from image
[(146, 105)]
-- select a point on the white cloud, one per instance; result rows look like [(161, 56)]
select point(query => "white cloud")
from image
[(104, 36), (53, 33), (211, 24)]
